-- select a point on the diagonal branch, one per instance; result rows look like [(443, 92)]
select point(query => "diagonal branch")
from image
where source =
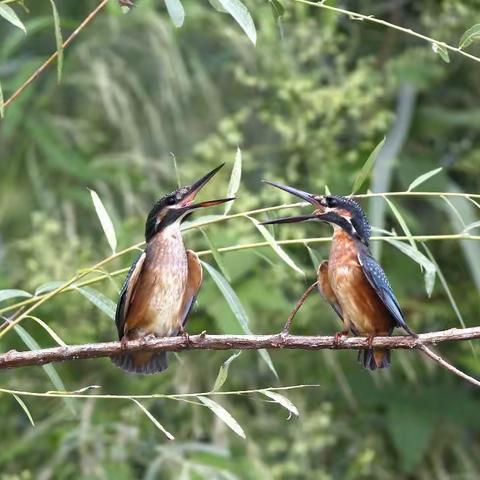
[(54, 56), (13, 358)]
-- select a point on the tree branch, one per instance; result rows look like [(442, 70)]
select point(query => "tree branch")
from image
[(13, 358)]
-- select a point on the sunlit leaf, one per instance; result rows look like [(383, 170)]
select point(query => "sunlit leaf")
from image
[(402, 222), (105, 220), (235, 178), (282, 400), (423, 178), (367, 167), (48, 287), (216, 255), (313, 257), (442, 51), (153, 419), (421, 259), (50, 370), (237, 308), (48, 329), (58, 39), (8, 13), (217, 6), (13, 293), (223, 372), (222, 414), (276, 247), (176, 11), (242, 16), (102, 302), (24, 408), (469, 36)]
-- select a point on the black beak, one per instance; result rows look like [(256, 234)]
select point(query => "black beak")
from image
[(299, 218), (308, 197), (186, 203)]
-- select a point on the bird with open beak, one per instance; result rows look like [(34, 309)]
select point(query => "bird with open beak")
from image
[(352, 281), (163, 283)]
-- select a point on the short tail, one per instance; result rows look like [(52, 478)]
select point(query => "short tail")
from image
[(373, 358), (142, 362)]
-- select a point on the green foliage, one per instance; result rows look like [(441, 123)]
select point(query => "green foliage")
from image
[(307, 107)]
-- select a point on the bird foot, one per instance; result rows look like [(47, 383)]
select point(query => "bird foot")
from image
[(123, 343), (185, 335), (370, 340), (338, 338)]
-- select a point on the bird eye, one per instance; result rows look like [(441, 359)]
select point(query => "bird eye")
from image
[(331, 202), (171, 200)]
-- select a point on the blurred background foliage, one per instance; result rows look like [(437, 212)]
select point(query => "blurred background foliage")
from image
[(307, 105)]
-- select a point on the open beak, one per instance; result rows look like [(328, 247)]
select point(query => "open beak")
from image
[(187, 201), (308, 197)]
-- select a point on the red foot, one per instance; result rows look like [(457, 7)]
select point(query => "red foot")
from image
[(338, 337)]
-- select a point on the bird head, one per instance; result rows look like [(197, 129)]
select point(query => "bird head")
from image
[(175, 206), (341, 212)]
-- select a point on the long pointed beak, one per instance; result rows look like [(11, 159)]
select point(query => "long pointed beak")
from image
[(210, 203), (308, 197), (298, 218)]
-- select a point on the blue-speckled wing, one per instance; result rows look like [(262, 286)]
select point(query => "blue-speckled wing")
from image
[(194, 282), (126, 294), (379, 281)]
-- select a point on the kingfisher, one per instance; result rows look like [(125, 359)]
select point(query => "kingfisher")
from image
[(351, 280), (161, 287)]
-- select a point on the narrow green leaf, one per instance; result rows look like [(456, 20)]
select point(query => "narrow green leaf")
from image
[(8, 13), (423, 178), (327, 190), (176, 11), (242, 16), (402, 222), (235, 178), (313, 257), (153, 419), (13, 293), (48, 329), (454, 210), (177, 173), (471, 226), (48, 287), (277, 8), (421, 259), (2, 108), (367, 167), (469, 36), (282, 400), (105, 220), (24, 408), (223, 371), (442, 51), (102, 302), (223, 415), (216, 255), (276, 247), (50, 370), (217, 6), (58, 39), (237, 308)]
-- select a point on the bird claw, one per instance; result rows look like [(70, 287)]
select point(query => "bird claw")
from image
[(123, 343), (185, 335), (338, 338), (370, 340)]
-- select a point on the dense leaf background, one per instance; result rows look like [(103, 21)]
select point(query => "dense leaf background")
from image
[(307, 105)]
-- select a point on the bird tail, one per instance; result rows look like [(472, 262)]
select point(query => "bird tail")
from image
[(373, 358), (142, 362)]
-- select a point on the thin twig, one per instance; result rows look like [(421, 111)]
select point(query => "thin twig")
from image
[(437, 358), (53, 57), (370, 18), (288, 324), (14, 358)]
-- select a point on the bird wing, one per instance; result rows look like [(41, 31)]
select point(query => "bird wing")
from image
[(325, 289), (194, 281), (379, 281), (127, 293)]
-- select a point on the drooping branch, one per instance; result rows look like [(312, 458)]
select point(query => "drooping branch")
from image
[(14, 359)]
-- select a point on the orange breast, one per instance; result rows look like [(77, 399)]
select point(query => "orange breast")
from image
[(360, 304)]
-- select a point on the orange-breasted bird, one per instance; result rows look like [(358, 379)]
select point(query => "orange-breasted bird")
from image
[(162, 284), (352, 281)]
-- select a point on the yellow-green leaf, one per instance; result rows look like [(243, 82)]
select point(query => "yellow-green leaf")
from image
[(105, 220), (282, 400), (223, 415), (223, 371), (402, 222), (367, 167), (58, 39), (24, 408), (442, 51), (423, 178), (469, 36), (8, 13), (153, 419), (235, 178)]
